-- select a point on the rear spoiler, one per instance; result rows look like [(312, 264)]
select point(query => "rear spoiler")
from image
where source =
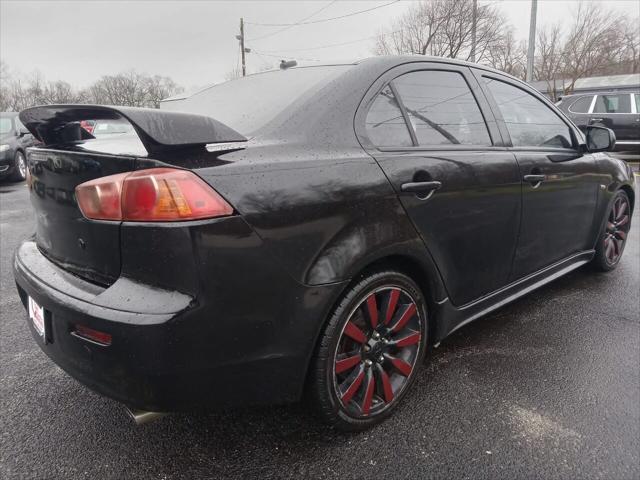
[(160, 131)]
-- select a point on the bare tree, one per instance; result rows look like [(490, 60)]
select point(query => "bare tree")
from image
[(628, 60), (133, 89), (592, 43), (130, 88), (233, 74), (549, 62), (508, 55), (597, 41), (443, 28)]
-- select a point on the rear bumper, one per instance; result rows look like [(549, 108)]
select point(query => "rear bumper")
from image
[(134, 369), (169, 351)]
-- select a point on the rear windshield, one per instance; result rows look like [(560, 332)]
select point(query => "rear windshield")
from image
[(249, 103), (5, 125)]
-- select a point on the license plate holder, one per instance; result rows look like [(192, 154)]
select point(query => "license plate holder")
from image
[(36, 316)]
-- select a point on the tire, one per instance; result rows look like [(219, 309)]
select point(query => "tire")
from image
[(613, 236), (19, 167), (358, 379)]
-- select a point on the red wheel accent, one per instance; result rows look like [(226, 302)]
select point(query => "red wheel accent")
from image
[(410, 339), (394, 295), (354, 332), (353, 388), (616, 230), (372, 309), (387, 390), (403, 367), (377, 351), (347, 363), (409, 312), (368, 394)]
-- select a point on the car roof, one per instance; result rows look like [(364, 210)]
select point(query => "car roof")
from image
[(383, 62)]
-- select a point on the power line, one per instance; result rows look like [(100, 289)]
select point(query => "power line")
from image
[(281, 56), (291, 25), (331, 45), (324, 19)]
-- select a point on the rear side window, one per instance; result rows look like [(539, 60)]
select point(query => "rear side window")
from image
[(530, 122), (385, 124), (581, 105), (613, 104), (637, 97), (442, 109)]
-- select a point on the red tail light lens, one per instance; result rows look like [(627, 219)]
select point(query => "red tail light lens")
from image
[(153, 195), (94, 335)]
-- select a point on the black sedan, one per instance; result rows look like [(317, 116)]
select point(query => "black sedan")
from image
[(14, 140), (314, 240)]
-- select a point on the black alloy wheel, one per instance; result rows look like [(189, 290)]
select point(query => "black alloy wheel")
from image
[(370, 351), (614, 237), (19, 167)]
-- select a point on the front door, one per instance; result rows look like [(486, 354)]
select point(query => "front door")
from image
[(559, 184), (460, 188)]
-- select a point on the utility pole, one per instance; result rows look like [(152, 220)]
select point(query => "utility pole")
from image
[(532, 40), (244, 68), (473, 30)]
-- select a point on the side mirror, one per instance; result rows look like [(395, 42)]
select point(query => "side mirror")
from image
[(22, 131), (600, 139)]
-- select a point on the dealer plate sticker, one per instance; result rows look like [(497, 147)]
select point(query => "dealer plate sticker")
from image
[(36, 314)]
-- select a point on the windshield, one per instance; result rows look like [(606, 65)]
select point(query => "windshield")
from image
[(249, 103), (6, 125)]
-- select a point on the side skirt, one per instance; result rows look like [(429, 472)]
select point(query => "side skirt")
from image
[(451, 318)]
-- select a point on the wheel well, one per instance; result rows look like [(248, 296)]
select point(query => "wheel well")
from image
[(629, 191), (413, 270), (404, 264)]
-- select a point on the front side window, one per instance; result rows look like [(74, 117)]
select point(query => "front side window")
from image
[(529, 121), (581, 105), (612, 104), (637, 97), (385, 124), (442, 109)]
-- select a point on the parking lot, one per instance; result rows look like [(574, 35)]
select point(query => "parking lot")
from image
[(548, 387)]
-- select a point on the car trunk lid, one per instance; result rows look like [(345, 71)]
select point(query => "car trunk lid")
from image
[(91, 248)]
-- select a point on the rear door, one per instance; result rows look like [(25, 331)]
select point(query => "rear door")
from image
[(425, 126), (613, 110), (560, 184), (579, 109)]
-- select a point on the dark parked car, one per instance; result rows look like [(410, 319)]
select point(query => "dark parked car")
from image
[(318, 237), (618, 111), (14, 140)]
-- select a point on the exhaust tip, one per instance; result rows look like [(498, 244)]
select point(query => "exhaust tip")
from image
[(140, 417)]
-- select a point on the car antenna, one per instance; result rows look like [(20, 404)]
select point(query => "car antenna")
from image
[(284, 64)]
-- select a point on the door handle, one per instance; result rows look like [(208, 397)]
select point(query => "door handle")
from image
[(593, 120), (534, 179), (420, 187)]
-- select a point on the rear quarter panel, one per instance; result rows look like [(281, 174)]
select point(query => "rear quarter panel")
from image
[(323, 215)]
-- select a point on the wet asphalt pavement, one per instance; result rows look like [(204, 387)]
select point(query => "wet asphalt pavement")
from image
[(547, 387)]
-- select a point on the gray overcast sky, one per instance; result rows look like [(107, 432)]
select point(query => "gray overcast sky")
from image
[(194, 41)]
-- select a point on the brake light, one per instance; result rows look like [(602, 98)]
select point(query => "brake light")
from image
[(153, 195)]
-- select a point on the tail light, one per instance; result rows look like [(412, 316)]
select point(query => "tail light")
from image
[(153, 195)]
